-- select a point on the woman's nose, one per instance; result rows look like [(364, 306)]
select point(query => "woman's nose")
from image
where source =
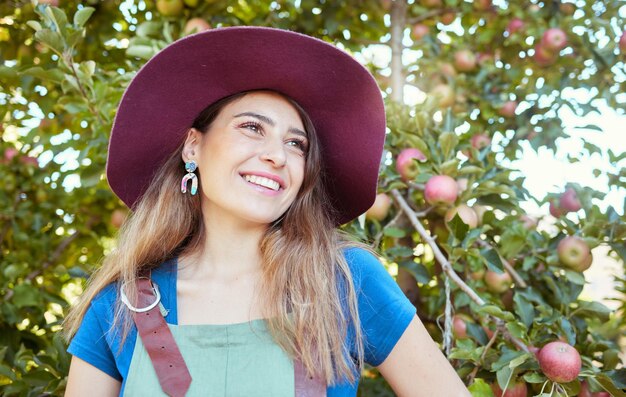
[(274, 152)]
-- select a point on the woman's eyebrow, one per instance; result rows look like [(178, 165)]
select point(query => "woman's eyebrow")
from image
[(271, 122)]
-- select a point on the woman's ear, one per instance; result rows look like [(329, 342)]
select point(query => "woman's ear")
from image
[(191, 145)]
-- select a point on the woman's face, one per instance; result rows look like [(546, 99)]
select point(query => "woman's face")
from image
[(251, 159)]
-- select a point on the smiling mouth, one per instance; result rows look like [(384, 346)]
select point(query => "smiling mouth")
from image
[(262, 181)]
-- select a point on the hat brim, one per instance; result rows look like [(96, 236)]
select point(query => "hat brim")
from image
[(169, 91)]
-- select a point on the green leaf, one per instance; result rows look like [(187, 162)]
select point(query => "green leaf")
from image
[(480, 388), (534, 377), (50, 39), (516, 362), (81, 16), (470, 169), (418, 271), (492, 259), (504, 376), (496, 312), (575, 277), (590, 127), (458, 227), (524, 309), (394, 232), (594, 309), (25, 295), (614, 382), (447, 142), (34, 25)]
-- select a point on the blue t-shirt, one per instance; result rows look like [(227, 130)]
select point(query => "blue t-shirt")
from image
[(384, 312)]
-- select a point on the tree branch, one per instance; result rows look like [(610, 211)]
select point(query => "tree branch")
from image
[(447, 267)]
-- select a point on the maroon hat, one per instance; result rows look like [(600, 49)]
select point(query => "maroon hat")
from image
[(169, 91)]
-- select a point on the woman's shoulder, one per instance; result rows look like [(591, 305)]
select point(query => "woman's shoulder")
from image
[(362, 261)]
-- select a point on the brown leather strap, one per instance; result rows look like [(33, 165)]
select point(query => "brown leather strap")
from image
[(168, 362), (307, 386), (159, 342)]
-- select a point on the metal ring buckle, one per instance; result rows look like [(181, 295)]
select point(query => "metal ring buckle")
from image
[(151, 306)]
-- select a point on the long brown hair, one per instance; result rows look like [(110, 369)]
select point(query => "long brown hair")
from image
[(307, 286)]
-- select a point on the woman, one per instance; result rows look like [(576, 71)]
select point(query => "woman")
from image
[(238, 282)]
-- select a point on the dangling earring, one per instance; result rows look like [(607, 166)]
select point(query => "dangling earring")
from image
[(190, 166)]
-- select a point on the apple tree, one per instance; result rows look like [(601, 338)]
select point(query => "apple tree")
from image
[(499, 289)]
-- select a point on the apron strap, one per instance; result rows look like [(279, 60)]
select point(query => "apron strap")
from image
[(168, 362)]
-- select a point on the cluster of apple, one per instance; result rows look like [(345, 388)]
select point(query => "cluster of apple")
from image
[(548, 48), (568, 202)]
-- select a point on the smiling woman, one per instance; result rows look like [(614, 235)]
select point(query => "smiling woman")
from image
[(245, 286)]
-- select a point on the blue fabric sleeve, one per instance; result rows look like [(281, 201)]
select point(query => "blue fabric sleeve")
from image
[(90, 343), (384, 310)]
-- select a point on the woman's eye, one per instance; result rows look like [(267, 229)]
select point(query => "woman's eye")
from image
[(254, 127), (298, 144)]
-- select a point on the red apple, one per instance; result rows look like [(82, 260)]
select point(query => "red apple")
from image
[(555, 210), (543, 57), (480, 141), (514, 25), (498, 283), (380, 208), (195, 25), (445, 94), (448, 17), (508, 109), (554, 40), (464, 61), (480, 212), (559, 361), (462, 184), (459, 327), (170, 8), (419, 31), (482, 5), (514, 389), (29, 160), (569, 201), (405, 163), (9, 154), (441, 189), (622, 42), (574, 253), (118, 217), (466, 213), (447, 69)]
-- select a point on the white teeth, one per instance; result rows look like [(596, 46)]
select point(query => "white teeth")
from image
[(262, 181)]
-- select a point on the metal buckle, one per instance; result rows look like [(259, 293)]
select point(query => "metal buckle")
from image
[(151, 306)]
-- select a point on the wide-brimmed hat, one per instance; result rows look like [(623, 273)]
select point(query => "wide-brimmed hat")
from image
[(171, 89)]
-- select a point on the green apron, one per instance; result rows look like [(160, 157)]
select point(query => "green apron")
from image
[(223, 360)]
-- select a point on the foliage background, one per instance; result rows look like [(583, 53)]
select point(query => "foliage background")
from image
[(64, 70)]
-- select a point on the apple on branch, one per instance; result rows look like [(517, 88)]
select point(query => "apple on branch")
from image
[(464, 61), (569, 201), (554, 40), (498, 283), (465, 212), (559, 362), (508, 109), (574, 253), (441, 190), (380, 208), (405, 163)]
